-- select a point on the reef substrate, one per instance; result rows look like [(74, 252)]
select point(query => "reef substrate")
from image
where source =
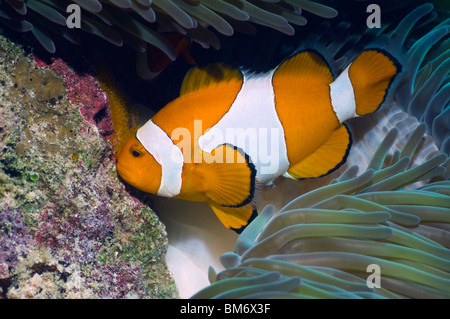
[(68, 227)]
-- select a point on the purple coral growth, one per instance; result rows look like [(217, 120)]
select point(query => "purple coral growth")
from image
[(120, 280), (76, 233), (77, 236), (14, 237), (84, 90)]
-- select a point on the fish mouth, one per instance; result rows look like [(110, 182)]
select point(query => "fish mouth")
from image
[(126, 174)]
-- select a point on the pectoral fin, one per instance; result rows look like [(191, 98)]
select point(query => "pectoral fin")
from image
[(228, 177)]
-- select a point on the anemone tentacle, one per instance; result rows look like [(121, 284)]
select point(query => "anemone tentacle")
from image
[(47, 17)]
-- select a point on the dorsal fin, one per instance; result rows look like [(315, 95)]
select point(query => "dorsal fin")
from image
[(306, 65), (210, 75)]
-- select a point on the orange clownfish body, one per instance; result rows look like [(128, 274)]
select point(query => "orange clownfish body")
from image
[(229, 130)]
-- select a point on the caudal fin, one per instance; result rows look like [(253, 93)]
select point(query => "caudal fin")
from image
[(371, 74)]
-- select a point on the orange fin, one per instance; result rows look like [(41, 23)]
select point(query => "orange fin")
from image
[(306, 65), (228, 176), (371, 74), (235, 218), (210, 75), (327, 158)]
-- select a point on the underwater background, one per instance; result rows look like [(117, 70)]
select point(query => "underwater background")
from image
[(70, 98)]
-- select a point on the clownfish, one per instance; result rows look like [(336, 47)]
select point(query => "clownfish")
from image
[(230, 130)]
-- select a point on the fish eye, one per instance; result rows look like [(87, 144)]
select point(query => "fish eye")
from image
[(136, 150)]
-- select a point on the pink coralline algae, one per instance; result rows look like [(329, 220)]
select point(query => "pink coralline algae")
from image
[(14, 236), (83, 90), (66, 218), (122, 279), (15, 240)]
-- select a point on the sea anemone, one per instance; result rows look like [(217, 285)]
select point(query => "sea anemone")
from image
[(135, 22), (144, 24)]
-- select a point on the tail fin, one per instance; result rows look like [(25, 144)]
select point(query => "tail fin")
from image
[(371, 74)]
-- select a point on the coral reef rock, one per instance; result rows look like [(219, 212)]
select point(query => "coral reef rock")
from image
[(68, 227)]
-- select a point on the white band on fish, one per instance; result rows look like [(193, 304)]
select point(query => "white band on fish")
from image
[(343, 97), (267, 147), (167, 154)]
